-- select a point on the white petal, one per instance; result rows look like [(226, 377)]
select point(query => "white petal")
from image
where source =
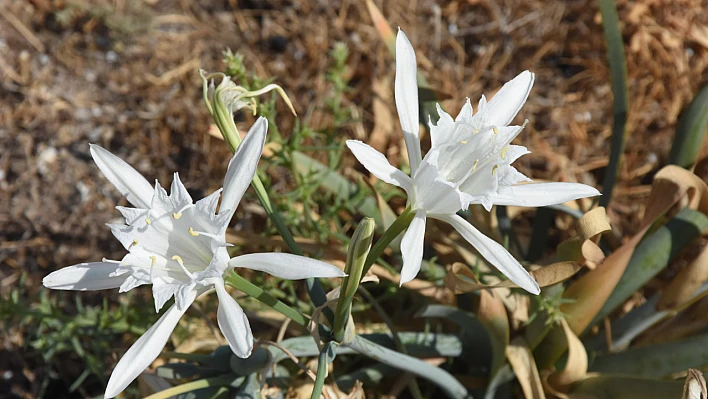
[(120, 232), (542, 194), (441, 133), (87, 277), (407, 98), (183, 296), (509, 99), (134, 187), (136, 279), (515, 152), (233, 323), (286, 266), (132, 215), (508, 175), (144, 351), (242, 166), (494, 253), (178, 193), (412, 247), (208, 203), (465, 114), (162, 291), (376, 163)]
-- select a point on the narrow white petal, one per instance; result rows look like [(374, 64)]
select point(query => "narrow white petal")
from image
[(132, 215), (515, 152), (442, 132), (178, 193), (509, 99), (233, 323), (134, 187), (162, 291), (412, 247), (144, 351), (465, 114), (406, 94), (376, 163), (242, 166), (87, 277), (208, 203), (542, 194), (494, 253), (286, 266)]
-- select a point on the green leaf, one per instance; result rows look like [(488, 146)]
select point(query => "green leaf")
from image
[(417, 344), (656, 360), (653, 254), (620, 387), (691, 131), (618, 73), (327, 355), (333, 182), (444, 380)]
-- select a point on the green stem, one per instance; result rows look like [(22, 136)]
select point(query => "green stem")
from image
[(401, 223), (253, 291), (226, 124), (356, 256), (323, 361)]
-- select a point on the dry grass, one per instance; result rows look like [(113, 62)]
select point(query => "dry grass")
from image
[(123, 75)]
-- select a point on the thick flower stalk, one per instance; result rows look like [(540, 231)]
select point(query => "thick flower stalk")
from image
[(469, 163), (179, 247)]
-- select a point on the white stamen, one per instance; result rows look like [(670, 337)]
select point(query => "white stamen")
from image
[(153, 261), (184, 268)]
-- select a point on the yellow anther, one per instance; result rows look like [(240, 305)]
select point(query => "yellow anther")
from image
[(148, 221), (476, 130), (178, 259), (135, 242), (494, 169), (177, 215), (153, 260), (192, 232), (495, 130), (503, 152), (474, 167), (463, 142)]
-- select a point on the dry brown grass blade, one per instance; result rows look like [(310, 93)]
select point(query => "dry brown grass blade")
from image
[(382, 26), (524, 366), (686, 283), (384, 120), (545, 276), (695, 386), (576, 367), (584, 248), (671, 185)]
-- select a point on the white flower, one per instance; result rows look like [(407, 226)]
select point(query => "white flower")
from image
[(179, 247), (469, 163)]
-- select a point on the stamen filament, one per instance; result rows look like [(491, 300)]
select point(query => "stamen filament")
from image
[(153, 261), (181, 264)]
